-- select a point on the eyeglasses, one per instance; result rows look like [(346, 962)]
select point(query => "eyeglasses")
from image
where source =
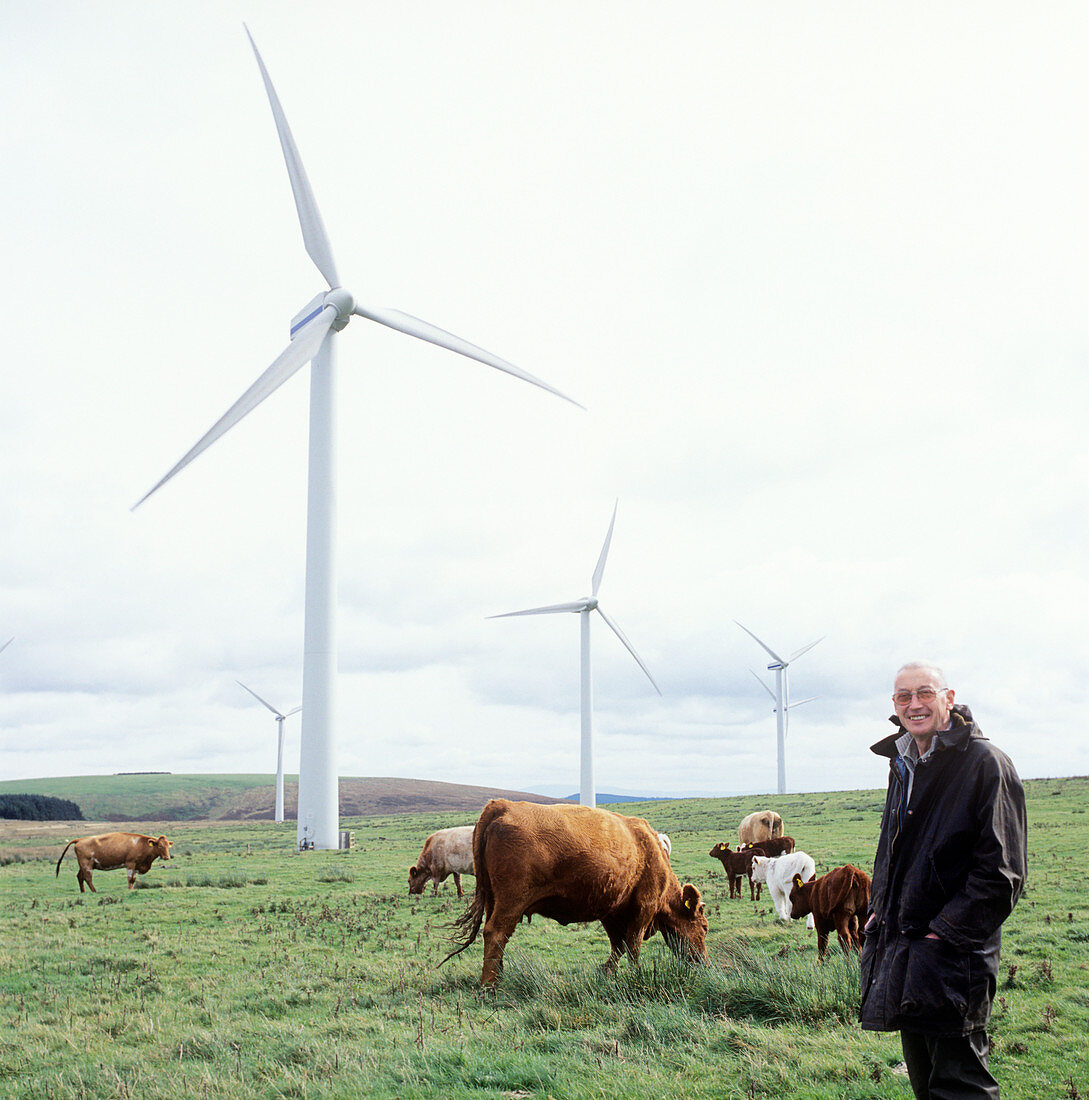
[(924, 695)]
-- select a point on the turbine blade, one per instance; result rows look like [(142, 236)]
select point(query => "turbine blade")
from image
[(628, 646), (807, 648), (599, 571), (423, 330), (765, 687), (762, 646), (297, 354), (800, 701), (313, 230), (552, 609), (295, 710), (260, 700), (7, 643)]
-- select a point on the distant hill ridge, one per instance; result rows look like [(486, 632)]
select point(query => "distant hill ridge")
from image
[(163, 796)]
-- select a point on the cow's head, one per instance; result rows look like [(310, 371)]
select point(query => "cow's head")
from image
[(800, 901), (682, 921), (719, 850), (162, 848), (417, 880), (760, 868)]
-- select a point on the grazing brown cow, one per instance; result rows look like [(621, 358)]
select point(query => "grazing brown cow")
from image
[(835, 900), (109, 850), (574, 864), (737, 865), (446, 852), (759, 825), (775, 846)]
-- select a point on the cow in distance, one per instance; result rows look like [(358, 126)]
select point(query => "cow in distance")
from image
[(446, 852), (107, 851), (759, 825)]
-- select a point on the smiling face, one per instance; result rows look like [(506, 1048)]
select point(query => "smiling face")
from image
[(923, 718)]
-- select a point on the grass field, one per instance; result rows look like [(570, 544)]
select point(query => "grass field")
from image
[(243, 969)]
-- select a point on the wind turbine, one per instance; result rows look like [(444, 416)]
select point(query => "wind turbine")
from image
[(587, 793), (781, 696), (280, 719), (312, 341)]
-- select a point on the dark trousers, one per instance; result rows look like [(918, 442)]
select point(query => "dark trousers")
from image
[(948, 1067)]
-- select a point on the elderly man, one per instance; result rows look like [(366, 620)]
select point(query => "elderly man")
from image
[(950, 867)]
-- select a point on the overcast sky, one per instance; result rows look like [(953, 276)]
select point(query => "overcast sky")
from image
[(818, 273)]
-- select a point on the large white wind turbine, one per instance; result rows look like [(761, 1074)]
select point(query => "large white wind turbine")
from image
[(312, 341), (781, 696), (280, 719), (587, 792)]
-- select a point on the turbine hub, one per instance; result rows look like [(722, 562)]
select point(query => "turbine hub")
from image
[(343, 303)]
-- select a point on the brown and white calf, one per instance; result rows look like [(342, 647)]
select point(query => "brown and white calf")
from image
[(107, 851)]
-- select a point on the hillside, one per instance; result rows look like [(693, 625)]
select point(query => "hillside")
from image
[(162, 796)]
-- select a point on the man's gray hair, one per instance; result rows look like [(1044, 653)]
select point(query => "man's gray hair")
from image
[(926, 666)]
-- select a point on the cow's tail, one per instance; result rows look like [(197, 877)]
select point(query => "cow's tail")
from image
[(66, 847), (467, 926)]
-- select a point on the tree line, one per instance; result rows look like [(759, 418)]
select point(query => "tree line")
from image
[(38, 807)]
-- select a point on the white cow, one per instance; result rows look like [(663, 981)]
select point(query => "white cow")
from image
[(778, 872), (447, 852)]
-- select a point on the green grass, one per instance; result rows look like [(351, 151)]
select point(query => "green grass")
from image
[(243, 969), (148, 796)]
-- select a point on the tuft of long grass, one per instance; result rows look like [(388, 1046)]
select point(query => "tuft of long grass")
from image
[(740, 983)]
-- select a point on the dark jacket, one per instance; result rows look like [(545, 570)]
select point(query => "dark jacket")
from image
[(955, 866)]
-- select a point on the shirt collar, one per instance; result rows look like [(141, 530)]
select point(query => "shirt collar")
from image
[(909, 750)]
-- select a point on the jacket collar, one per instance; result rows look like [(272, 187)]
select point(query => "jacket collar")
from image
[(962, 730)]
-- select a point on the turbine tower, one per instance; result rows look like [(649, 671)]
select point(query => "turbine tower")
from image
[(280, 718), (781, 696), (312, 332), (587, 792)]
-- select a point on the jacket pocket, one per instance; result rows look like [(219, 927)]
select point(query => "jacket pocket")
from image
[(935, 982)]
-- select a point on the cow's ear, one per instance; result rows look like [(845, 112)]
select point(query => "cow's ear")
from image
[(690, 898), (797, 880), (412, 870)]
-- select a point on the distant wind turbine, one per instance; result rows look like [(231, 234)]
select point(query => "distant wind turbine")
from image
[(312, 331), (587, 793), (280, 719), (781, 696)]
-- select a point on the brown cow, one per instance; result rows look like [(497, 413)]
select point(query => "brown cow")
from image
[(446, 852), (835, 900), (773, 846), (759, 825), (109, 850), (574, 864), (737, 865)]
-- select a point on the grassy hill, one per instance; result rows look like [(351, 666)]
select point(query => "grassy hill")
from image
[(163, 796)]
